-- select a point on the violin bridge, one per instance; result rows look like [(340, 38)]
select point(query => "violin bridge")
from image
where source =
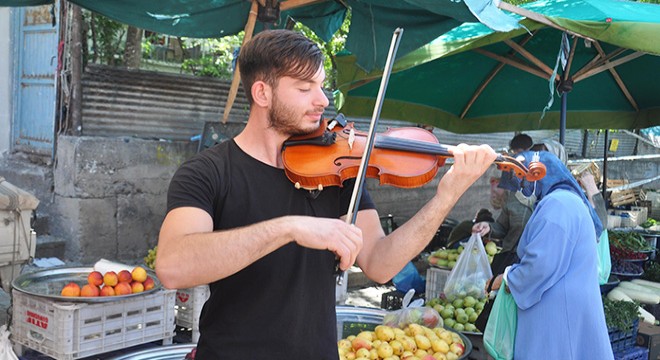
[(351, 138)]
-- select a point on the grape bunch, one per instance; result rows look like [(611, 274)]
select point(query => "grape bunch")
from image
[(626, 267), (150, 259)]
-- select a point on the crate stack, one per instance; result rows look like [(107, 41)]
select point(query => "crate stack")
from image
[(73, 330), (624, 344), (189, 303)]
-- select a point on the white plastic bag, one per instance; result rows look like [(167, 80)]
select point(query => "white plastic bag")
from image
[(472, 271), (6, 351), (413, 313)]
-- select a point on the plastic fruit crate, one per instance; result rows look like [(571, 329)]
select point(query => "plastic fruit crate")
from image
[(189, 303), (624, 340), (635, 353), (435, 282), (68, 330), (393, 300)]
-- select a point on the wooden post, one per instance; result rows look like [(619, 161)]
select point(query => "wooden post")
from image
[(249, 29)]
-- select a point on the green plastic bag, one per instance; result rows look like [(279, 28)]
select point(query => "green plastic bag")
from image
[(604, 259), (500, 332)]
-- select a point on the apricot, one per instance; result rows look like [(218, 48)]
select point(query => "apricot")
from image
[(71, 289), (137, 287), (124, 276), (107, 291), (95, 278), (149, 283), (139, 274), (123, 288), (110, 278), (90, 290)]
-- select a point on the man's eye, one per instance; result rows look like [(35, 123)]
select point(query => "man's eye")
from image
[(304, 90)]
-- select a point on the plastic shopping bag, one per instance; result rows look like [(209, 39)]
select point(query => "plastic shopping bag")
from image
[(6, 352), (604, 259), (500, 332), (413, 313), (471, 272)]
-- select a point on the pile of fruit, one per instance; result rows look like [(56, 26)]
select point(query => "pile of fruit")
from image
[(459, 313), (111, 284), (623, 267), (446, 258), (414, 342)]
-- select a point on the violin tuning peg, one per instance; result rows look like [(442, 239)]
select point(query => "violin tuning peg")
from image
[(320, 187), (297, 185)]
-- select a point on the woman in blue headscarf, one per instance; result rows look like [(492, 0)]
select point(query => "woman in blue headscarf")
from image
[(555, 284)]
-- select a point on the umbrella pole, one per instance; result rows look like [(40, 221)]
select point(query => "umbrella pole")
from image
[(605, 166), (562, 118)]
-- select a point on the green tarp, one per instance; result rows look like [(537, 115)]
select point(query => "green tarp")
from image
[(372, 21), (435, 83)]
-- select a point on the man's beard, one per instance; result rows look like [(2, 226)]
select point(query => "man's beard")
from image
[(285, 120)]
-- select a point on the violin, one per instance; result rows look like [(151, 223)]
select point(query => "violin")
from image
[(406, 157)]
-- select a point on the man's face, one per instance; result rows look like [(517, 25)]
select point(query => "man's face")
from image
[(297, 105)]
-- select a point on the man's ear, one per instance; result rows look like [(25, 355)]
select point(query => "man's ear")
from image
[(261, 93)]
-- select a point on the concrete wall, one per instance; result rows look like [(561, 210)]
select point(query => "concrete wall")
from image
[(5, 78)]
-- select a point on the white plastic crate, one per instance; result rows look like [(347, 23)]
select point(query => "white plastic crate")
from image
[(435, 282), (68, 330), (189, 303)]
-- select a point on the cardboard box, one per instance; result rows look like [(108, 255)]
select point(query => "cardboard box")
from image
[(648, 336)]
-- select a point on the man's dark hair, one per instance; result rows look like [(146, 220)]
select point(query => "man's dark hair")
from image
[(521, 142), (273, 54)]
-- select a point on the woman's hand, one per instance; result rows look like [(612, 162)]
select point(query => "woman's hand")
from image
[(497, 283), (481, 228)]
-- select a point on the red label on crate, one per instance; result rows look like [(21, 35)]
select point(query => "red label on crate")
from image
[(37, 320), (183, 297)]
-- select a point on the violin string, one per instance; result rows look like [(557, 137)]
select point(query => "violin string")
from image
[(419, 146)]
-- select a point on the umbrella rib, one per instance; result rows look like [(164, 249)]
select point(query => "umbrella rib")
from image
[(529, 56), (608, 65), (598, 60), (618, 79), (490, 77), (514, 63), (290, 4)]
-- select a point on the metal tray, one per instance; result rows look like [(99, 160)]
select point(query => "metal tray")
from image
[(49, 282)]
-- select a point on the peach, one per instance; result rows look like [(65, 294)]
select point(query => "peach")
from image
[(95, 278), (107, 291), (90, 290), (124, 276), (110, 278), (149, 283), (123, 288), (71, 289), (139, 274), (137, 287), (359, 343)]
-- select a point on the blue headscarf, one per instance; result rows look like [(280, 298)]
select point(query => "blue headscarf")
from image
[(557, 177)]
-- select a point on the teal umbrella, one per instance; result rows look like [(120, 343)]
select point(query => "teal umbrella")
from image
[(474, 80)]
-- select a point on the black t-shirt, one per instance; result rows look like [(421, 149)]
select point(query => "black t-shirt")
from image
[(283, 305)]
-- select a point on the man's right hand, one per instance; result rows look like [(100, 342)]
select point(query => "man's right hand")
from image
[(335, 235)]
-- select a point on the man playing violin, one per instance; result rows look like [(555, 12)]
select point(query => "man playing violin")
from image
[(267, 249)]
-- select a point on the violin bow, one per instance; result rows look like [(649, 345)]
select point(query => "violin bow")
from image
[(351, 215)]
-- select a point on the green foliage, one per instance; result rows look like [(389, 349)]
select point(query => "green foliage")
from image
[(106, 39), (217, 56), (620, 314)]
